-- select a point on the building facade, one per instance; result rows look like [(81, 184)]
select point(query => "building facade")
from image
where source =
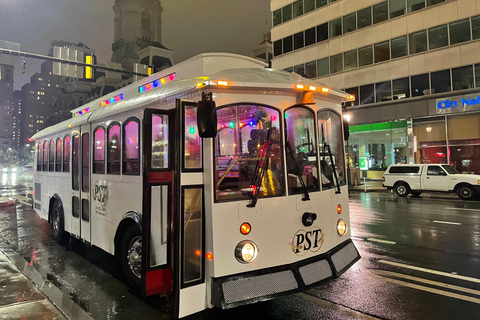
[(17, 119), (413, 66)]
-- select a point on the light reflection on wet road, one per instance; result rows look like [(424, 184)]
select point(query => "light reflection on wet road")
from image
[(414, 231)]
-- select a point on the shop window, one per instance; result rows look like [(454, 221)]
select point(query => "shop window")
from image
[(75, 162), (323, 67), (465, 158), (99, 151), (311, 69), (399, 47), (58, 158), (417, 42), (438, 37), (85, 162), (160, 141), (287, 44), (354, 91), (383, 91), (298, 40), (401, 88), (321, 3), (380, 12), (277, 48), (433, 2), (365, 56), (66, 154), (431, 141), (364, 17), (420, 85), (309, 5), (335, 28), (287, 13), (297, 8), (40, 157), (193, 142), (46, 148), (459, 31), (464, 142), (336, 63), (382, 51), (476, 27), (350, 23), (309, 36), (462, 78), (440, 81), (414, 5), (397, 8), (367, 94), (300, 133), (322, 32), (245, 134), (114, 149), (300, 69), (350, 60), (330, 133), (131, 161), (277, 17), (51, 158)]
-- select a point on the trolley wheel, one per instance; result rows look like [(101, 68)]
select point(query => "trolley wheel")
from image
[(58, 224), (132, 256), (466, 192), (402, 189)]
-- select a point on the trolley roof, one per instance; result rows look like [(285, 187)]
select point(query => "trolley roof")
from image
[(202, 71)]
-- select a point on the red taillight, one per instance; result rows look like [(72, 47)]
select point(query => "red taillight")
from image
[(383, 178)]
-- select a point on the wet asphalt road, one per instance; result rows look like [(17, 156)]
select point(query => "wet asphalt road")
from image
[(420, 259)]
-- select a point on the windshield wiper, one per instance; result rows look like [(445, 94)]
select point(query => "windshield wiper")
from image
[(306, 196), (326, 147), (260, 169)]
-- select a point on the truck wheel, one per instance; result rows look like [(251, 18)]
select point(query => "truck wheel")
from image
[(132, 256), (57, 223), (402, 189), (465, 192)]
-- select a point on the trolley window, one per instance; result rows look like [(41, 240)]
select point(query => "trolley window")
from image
[(75, 163), (131, 163), (159, 141), (99, 151), (85, 162), (114, 149), (46, 147), (40, 156), (300, 128), (331, 149), (193, 143), (241, 146), (66, 154), (51, 162), (58, 158)]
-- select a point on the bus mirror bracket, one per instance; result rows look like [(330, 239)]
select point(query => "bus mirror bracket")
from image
[(207, 116)]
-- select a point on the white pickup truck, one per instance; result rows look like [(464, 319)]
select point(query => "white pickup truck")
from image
[(417, 178)]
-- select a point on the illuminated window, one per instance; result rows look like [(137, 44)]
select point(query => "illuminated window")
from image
[(99, 151), (131, 162), (58, 158), (114, 149), (193, 142)]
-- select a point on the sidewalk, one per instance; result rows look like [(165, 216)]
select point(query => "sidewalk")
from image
[(368, 185)]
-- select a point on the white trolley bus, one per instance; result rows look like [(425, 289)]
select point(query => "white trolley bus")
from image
[(218, 179)]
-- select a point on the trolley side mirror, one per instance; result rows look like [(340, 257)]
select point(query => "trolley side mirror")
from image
[(346, 129), (207, 117)]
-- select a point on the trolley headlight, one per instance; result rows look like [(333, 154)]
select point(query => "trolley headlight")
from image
[(246, 251), (342, 227)]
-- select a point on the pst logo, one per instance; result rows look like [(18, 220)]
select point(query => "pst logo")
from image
[(100, 193), (304, 241)]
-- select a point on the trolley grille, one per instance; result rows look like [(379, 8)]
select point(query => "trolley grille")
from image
[(254, 287), (315, 272), (342, 258)]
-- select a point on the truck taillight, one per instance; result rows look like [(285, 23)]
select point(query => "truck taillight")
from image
[(383, 178)]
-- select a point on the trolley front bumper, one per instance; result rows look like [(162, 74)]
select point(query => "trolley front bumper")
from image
[(265, 284)]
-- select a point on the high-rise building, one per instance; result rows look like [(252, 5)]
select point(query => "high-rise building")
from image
[(138, 25), (413, 66)]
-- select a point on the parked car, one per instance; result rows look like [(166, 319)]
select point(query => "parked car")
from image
[(413, 179)]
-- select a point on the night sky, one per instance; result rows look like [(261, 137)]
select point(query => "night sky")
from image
[(189, 27)]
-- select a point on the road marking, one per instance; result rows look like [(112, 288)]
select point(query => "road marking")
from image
[(352, 313), (466, 209), (440, 273), (381, 241), (447, 222), (428, 289)]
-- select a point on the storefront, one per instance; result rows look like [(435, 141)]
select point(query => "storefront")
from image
[(451, 134)]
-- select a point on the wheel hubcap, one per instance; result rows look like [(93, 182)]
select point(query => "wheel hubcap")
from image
[(134, 256), (465, 192), (401, 190)]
